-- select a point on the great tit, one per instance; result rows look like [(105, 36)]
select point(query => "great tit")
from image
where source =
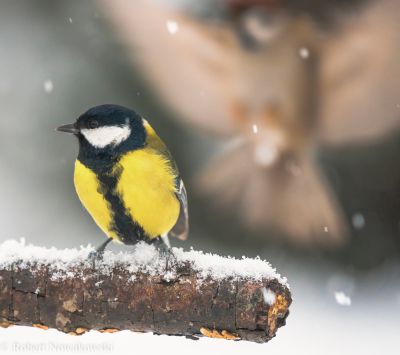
[(127, 179)]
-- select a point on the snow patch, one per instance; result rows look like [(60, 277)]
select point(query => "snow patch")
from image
[(269, 296), (143, 258)]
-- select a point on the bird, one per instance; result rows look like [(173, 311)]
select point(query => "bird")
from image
[(127, 179), (274, 84)]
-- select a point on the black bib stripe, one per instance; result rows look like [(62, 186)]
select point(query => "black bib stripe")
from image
[(122, 224)]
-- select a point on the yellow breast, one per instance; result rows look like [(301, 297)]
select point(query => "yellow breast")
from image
[(147, 188), (145, 184), (87, 187)]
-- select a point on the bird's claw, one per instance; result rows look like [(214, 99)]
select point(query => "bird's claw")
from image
[(166, 253), (95, 256), (98, 253)]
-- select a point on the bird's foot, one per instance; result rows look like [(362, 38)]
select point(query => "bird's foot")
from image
[(97, 255), (169, 256), (165, 252)]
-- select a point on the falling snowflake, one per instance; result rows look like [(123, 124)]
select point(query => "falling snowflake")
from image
[(255, 129), (326, 230), (172, 27), (265, 154), (70, 19), (342, 298), (48, 86), (358, 221), (304, 52)]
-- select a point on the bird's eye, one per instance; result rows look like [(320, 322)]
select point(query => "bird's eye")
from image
[(93, 124)]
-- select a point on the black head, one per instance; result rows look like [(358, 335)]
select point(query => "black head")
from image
[(106, 132)]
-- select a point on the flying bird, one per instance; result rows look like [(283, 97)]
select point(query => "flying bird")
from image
[(274, 81)]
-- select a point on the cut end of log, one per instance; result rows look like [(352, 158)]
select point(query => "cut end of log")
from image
[(193, 295), (277, 312)]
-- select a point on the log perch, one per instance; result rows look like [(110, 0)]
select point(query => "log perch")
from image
[(198, 295)]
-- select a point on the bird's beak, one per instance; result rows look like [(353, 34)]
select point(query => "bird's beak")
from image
[(68, 128)]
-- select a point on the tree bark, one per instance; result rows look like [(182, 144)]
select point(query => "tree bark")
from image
[(33, 294)]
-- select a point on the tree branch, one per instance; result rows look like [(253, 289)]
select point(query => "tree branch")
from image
[(199, 294)]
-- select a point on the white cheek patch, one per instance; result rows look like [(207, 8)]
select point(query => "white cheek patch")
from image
[(104, 136)]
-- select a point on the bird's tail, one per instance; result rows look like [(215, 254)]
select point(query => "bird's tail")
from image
[(291, 196)]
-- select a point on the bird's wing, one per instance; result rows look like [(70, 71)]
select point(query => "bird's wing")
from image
[(181, 227), (187, 67), (359, 79)]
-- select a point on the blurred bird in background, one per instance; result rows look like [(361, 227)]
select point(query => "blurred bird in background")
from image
[(275, 81)]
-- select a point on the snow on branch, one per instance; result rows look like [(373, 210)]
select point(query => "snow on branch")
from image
[(196, 294)]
